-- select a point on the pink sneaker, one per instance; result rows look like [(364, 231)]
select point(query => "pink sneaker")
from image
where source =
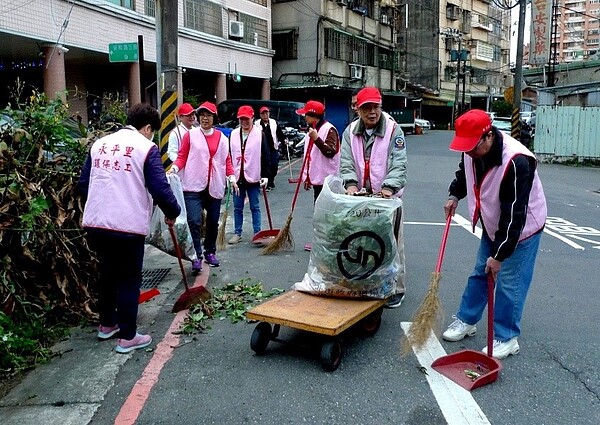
[(128, 345), (107, 332)]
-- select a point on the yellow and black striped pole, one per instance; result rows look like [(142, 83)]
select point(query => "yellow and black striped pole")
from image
[(168, 105), (515, 124)]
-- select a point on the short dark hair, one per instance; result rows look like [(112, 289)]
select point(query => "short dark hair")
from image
[(142, 114)]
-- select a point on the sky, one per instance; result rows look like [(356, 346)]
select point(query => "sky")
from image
[(514, 28)]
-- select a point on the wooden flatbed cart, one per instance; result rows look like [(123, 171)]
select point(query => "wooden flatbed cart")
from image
[(322, 315)]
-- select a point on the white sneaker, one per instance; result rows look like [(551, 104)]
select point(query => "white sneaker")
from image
[(458, 330), (235, 239), (501, 350)]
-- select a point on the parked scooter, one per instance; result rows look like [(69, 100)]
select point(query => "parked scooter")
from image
[(293, 146)]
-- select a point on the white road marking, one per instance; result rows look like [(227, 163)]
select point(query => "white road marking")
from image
[(457, 404), (565, 240)]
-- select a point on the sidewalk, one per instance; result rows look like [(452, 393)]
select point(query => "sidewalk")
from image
[(71, 387)]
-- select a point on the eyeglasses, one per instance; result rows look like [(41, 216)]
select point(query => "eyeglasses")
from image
[(205, 115), (481, 140), (368, 107)]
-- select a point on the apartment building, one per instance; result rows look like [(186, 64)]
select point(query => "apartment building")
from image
[(57, 45), (326, 48), (576, 34), (459, 50)]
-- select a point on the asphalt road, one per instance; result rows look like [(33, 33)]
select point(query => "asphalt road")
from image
[(217, 379)]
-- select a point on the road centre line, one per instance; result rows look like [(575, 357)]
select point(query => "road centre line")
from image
[(457, 404)]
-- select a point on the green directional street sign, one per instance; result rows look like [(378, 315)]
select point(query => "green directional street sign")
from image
[(123, 52)]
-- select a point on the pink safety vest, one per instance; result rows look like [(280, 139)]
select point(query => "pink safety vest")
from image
[(486, 200), (195, 175), (318, 166), (380, 152), (117, 197), (252, 153)]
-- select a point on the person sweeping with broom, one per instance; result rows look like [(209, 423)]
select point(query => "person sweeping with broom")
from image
[(120, 179), (373, 161), (498, 176), (251, 158), (321, 149), (204, 165)]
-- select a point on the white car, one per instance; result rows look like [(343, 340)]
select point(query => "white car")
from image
[(526, 116), (424, 124)]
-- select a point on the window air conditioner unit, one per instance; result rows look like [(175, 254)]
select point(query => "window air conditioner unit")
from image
[(356, 72), (236, 30), (385, 19)]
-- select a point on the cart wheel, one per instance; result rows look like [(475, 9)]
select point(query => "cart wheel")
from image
[(260, 337), (371, 323), (331, 355)]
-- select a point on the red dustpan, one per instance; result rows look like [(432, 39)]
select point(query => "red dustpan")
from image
[(468, 368), (265, 237)]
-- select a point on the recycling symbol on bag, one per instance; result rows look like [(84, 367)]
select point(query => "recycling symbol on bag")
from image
[(352, 252)]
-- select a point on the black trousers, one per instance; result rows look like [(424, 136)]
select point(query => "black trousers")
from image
[(120, 262)]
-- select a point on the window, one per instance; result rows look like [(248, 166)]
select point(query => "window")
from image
[(255, 30), (346, 47), (203, 15), (150, 7), (285, 44), (452, 12), (129, 4)]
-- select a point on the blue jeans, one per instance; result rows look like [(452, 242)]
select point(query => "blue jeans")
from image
[(512, 285), (253, 191), (195, 202)]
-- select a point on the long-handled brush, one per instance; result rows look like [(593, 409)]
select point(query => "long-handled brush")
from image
[(428, 315), (221, 235), (291, 180), (284, 238), (191, 295)]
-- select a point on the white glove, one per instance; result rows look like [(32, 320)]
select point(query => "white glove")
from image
[(264, 181), (173, 170), (232, 179)]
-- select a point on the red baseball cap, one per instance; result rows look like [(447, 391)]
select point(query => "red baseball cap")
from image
[(368, 95), (245, 111), (469, 128), (263, 109), (312, 107), (208, 106), (185, 109)]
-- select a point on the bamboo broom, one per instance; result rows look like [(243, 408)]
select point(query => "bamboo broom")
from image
[(427, 318), (221, 235), (284, 238)]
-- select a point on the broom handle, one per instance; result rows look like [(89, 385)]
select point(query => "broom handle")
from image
[(300, 179), (490, 332), (264, 191), (438, 266), (178, 252)]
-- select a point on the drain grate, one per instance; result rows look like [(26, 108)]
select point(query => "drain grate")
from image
[(151, 278)]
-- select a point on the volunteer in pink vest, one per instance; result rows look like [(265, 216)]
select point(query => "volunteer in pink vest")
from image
[(251, 160), (204, 165), (187, 118), (373, 161), (121, 178), (499, 178), (321, 147)]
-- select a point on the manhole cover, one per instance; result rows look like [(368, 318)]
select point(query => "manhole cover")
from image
[(151, 278)]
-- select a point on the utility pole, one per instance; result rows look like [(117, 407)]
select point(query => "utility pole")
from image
[(515, 118), (167, 35), (456, 36)]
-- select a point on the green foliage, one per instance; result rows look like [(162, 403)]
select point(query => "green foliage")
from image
[(23, 342), (502, 108), (229, 302), (191, 98)]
